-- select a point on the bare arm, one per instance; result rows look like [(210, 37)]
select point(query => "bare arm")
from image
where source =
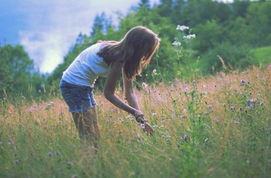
[(114, 74), (129, 93)]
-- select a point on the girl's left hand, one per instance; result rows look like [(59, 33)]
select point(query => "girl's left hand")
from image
[(148, 129)]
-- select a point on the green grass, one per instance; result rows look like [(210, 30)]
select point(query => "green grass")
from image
[(214, 127), (263, 55)]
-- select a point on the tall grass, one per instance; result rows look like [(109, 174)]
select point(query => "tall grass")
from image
[(214, 127)]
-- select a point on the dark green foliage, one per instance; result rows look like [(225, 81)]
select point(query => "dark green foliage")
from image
[(227, 30), (15, 66), (226, 57), (209, 34), (17, 74), (259, 23)]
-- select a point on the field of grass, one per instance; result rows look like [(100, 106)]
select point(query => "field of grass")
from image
[(214, 127)]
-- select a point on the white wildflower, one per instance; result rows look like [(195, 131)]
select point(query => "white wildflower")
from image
[(144, 85), (154, 71), (49, 105), (168, 138), (154, 114), (182, 27), (190, 36), (176, 43)]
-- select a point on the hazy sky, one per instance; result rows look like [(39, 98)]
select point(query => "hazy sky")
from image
[(47, 28)]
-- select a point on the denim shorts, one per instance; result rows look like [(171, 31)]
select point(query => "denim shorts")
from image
[(78, 98)]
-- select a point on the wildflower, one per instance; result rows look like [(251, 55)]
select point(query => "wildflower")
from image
[(181, 116), (154, 114), (261, 103), (206, 140), (32, 108), (232, 108), (70, 164), (74, 176), (186, 89), (49, 105), (10, 143), (49, 153), (252, 100), (206, 113), (185, 137), (168, 138), (144, 85), (120, 119), (190, 36), (17, 161), (182, 27), (176, 43), (130, 117), (58, 153), (243, 81), (154, 71), (251, 106)]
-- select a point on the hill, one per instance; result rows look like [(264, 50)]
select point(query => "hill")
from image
[(216, 126)]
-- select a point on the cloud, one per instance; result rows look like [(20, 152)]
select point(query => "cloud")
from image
[(53, 25)]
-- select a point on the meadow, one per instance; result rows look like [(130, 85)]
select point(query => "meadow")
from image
[(218, 126)]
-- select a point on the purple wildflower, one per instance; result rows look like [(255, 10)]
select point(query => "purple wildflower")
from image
[(252, 100), (185, 137), (10, 143), (251, 106), (243, 81), (181, 116)]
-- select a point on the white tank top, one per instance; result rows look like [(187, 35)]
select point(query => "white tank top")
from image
[(86, 67)]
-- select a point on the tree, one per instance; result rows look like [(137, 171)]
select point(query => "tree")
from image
[(145, 3), (101, 24), (15, 69), (259, 23)]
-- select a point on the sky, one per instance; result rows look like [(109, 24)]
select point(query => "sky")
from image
[(48, 28)]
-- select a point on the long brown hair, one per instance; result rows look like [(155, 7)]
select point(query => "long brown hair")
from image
[(134, 50)]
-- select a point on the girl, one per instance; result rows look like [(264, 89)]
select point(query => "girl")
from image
[(109, 59)]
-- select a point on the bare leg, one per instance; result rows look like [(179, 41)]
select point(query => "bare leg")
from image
[(87, 126)]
